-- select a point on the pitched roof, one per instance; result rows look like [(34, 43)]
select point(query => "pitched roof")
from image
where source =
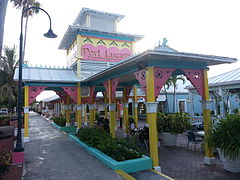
[(151, 55), (86, 11), (72, 31), (40, 74), (231, 77)]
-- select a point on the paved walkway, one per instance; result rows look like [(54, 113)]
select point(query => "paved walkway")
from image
[(183, 164), (52, 155)]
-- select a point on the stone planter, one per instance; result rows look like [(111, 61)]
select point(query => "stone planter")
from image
[(67, 129), (169, 139), (129, 166), (228, 164)]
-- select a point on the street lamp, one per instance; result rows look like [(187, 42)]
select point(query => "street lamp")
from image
[(49, 34)]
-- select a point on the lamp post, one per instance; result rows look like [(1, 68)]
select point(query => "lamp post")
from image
[(49, 34)]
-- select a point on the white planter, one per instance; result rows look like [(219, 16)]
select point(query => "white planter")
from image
[(169, 139), (228, 164)]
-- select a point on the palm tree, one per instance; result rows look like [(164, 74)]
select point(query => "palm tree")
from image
[(3, 8), (172, 81), (8, 88), (167, 86), (23, 4)]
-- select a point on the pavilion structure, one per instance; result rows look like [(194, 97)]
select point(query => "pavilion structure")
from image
[(102, 60), (224, 92)]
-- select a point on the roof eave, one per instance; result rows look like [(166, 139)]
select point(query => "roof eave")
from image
[(208, 58), (75, 28), (119, 65)]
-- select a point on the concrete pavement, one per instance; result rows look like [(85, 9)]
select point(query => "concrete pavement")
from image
[(52, 155)]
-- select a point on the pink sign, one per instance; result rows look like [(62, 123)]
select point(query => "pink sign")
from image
[(102, 53)]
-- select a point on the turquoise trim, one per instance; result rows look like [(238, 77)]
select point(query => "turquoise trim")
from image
[(54, 88), (66, 129), (128, 166), (177, 64), (98, 35), (100, 89), (131, 83), (119, 73), (51, 84)]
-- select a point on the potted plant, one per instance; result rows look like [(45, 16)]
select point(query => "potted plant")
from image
[(170, 125), (225, 136)]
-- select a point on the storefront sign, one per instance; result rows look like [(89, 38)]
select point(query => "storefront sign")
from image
[(102, 53)]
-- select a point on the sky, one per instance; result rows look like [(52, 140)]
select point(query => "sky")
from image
[(193, 26)]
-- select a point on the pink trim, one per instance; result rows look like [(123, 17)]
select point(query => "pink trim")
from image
[(62, 95), (106, 38), (195, 76), (34, 91), (18, 158), (141, 77), (114, 83), (105, 84), (161, 75), (86, 100), (92, 94), (102, 53), (72, 92), (128, 91)]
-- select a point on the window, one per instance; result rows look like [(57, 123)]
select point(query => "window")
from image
[(182, 105)]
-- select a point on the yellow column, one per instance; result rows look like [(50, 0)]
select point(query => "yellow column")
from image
[(112, 109), (26, 113), (151, 106), (85, 114), (91, 109), (68, 110), (106, 107), (79, 108), (209, 158), (135, 105), (125, 111), (94, 113)]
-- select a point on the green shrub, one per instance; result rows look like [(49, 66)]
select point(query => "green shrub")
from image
[(59, 120), (226, 136), (118, 149), (5, 162), (92, 136), (175, 123)]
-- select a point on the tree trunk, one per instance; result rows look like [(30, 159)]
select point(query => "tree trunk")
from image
[(25, 38), (166, 96), (3, 8), (174, 99)]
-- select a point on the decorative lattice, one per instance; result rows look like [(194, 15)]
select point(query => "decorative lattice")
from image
[(114, 83), (128, 91), (92, 94), (34, 91), (161, 75), (141, 77), (196, 77), (62, 95), (72, 92)]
